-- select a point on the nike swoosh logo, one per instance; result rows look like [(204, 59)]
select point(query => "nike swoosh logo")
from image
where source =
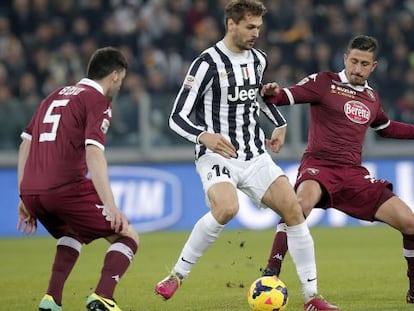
[(311, 280), (191, 263), (108, 303)]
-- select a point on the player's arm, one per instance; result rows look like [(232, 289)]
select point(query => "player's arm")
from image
[(387, 128), (25, 223), (23, 154), (397, 130), (308, 90), (24, 149), (195, 82), (98, 170), (277, 139)]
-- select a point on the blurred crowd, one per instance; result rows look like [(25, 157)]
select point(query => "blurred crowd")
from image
[(47, 43)]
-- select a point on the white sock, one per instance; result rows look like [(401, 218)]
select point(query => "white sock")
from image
[(302, 251), (204, 233)]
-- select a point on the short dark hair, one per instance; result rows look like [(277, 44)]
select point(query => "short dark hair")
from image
[(237, 9), (104, 61), (364, 43)]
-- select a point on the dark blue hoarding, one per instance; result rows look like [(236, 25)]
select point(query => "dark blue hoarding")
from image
[(170, 197)]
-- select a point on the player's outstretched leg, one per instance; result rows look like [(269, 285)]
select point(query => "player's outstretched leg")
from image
[(301, 249), (318, 303), (204, 233), (99, 303), (278, 252), (48, 304), (168, 286)]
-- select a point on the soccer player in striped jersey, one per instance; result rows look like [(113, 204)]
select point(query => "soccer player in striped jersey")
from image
[(221, 88), (343, 107)]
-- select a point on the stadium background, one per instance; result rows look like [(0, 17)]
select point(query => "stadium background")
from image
[(46, 43)]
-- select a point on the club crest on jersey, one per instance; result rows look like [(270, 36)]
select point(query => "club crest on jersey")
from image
[(313, 171), (105, 126), (371, 94), (357, 112)]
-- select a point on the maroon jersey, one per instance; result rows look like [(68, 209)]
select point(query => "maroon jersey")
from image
[(340, 115), (66, 121)]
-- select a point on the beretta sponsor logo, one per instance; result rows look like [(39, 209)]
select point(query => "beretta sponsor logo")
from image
[(357, 112), (151, 198)]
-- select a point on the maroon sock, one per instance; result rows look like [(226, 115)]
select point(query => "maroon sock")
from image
[(117, 261), (408, 243), (65, 259), (279, 249)]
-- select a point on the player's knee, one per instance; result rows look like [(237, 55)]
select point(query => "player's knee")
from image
[(306, 208), (223, 214), (292, 213), (407, 227), (232, 210), (129, 233), (133, 234), (70, 242)]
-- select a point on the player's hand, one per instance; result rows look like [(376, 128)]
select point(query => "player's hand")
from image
[(26, 223), (218, 144), (119, 221), (270, 89), (276, 142)]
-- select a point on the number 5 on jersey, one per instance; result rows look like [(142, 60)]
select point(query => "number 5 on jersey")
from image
[(52, 118)]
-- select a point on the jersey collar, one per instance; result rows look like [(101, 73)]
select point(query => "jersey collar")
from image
[(358, 88), (93, 84), (241, 55)]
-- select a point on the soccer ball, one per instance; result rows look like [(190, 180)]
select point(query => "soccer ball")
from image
[(268, 293)]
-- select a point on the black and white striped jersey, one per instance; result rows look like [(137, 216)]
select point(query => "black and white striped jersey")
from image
[(221, 89)]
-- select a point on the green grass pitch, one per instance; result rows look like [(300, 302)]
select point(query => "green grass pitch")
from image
[(359, 268)]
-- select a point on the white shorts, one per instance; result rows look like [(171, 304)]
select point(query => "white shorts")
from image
[(252, 177)]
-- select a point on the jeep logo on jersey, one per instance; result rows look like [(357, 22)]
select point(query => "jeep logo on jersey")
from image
[(242, 93), (151, 198), (357, 112)]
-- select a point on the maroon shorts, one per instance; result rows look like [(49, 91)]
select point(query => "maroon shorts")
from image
[(76, 212), (348, 188)]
